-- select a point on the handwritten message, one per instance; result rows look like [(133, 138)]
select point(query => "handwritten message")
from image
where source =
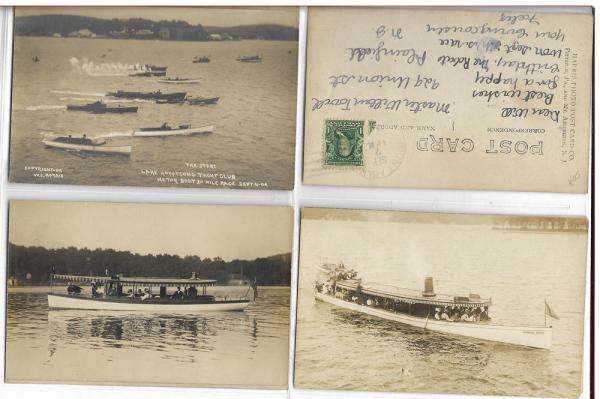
[(494, 84)]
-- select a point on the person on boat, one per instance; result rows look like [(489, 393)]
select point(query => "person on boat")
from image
[(254, 286), (319, 287), (477, 314), (73, 289), (192, 292), (445, 315), (178, 294), (456, 313), (130, 293), (146, 294), (164, 125), (359, 295), (94, 289), (437, 314), (484, 314), (466, 316)]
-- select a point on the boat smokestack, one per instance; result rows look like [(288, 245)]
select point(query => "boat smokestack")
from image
[(428, 291)]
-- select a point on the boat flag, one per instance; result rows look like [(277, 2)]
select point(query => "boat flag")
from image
[(549, 311)]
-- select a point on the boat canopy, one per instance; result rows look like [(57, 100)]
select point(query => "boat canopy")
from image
[(413, 296), (145, 281)]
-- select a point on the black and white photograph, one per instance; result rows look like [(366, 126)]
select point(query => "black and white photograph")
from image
[(154, 97), (148, 294), (441, 303)]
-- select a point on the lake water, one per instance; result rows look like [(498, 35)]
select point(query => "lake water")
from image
[(254, 121), (340, 349), (214, 349)]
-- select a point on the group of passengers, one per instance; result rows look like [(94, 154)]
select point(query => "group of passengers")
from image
[(190, 292), (446, 313), (98, 289), (458, 313), (143, 295)]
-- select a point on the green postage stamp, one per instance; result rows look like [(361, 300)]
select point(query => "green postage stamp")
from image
[(343, 143)]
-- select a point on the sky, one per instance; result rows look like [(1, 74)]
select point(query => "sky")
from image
[(230, 232), (206, 16)]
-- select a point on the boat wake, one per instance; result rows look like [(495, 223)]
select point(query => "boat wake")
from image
[(135, 100), (114, 134), (77, 93), (52, 134), (88, 67), (45, 107)]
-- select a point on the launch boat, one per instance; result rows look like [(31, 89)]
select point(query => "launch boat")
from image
[(460, 315), (149, 74), (166, 130), (249, 58), (179, 81), (136, 294), (154, 68), (154, 95), (85, 144), (99, 107), (201, 60), (202, 100)]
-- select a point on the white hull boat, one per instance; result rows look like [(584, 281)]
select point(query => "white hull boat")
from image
[(58, 301), (93, 148), (173, 132), (118, 293), (535, 337), (179, 81)]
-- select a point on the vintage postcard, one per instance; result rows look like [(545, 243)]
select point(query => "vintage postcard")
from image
[(148, 294), (441, 303), (449, 98), (156, 96)]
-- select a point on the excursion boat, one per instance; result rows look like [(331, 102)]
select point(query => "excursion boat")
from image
[(179, 81), (249, 58), (202, 100), (166, 130), (459, 315), (99, 107), (136, 294), (154, 95), (201, 60), (85, 144)]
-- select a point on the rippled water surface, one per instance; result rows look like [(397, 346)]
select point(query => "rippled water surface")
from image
[(254, 120), (340, 349), (221, 349)]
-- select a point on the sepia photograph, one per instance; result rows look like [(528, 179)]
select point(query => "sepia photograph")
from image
[(441, 303), (154, 96), (148, 294)]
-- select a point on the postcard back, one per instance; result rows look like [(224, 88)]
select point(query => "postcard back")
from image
[(457, 99)]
